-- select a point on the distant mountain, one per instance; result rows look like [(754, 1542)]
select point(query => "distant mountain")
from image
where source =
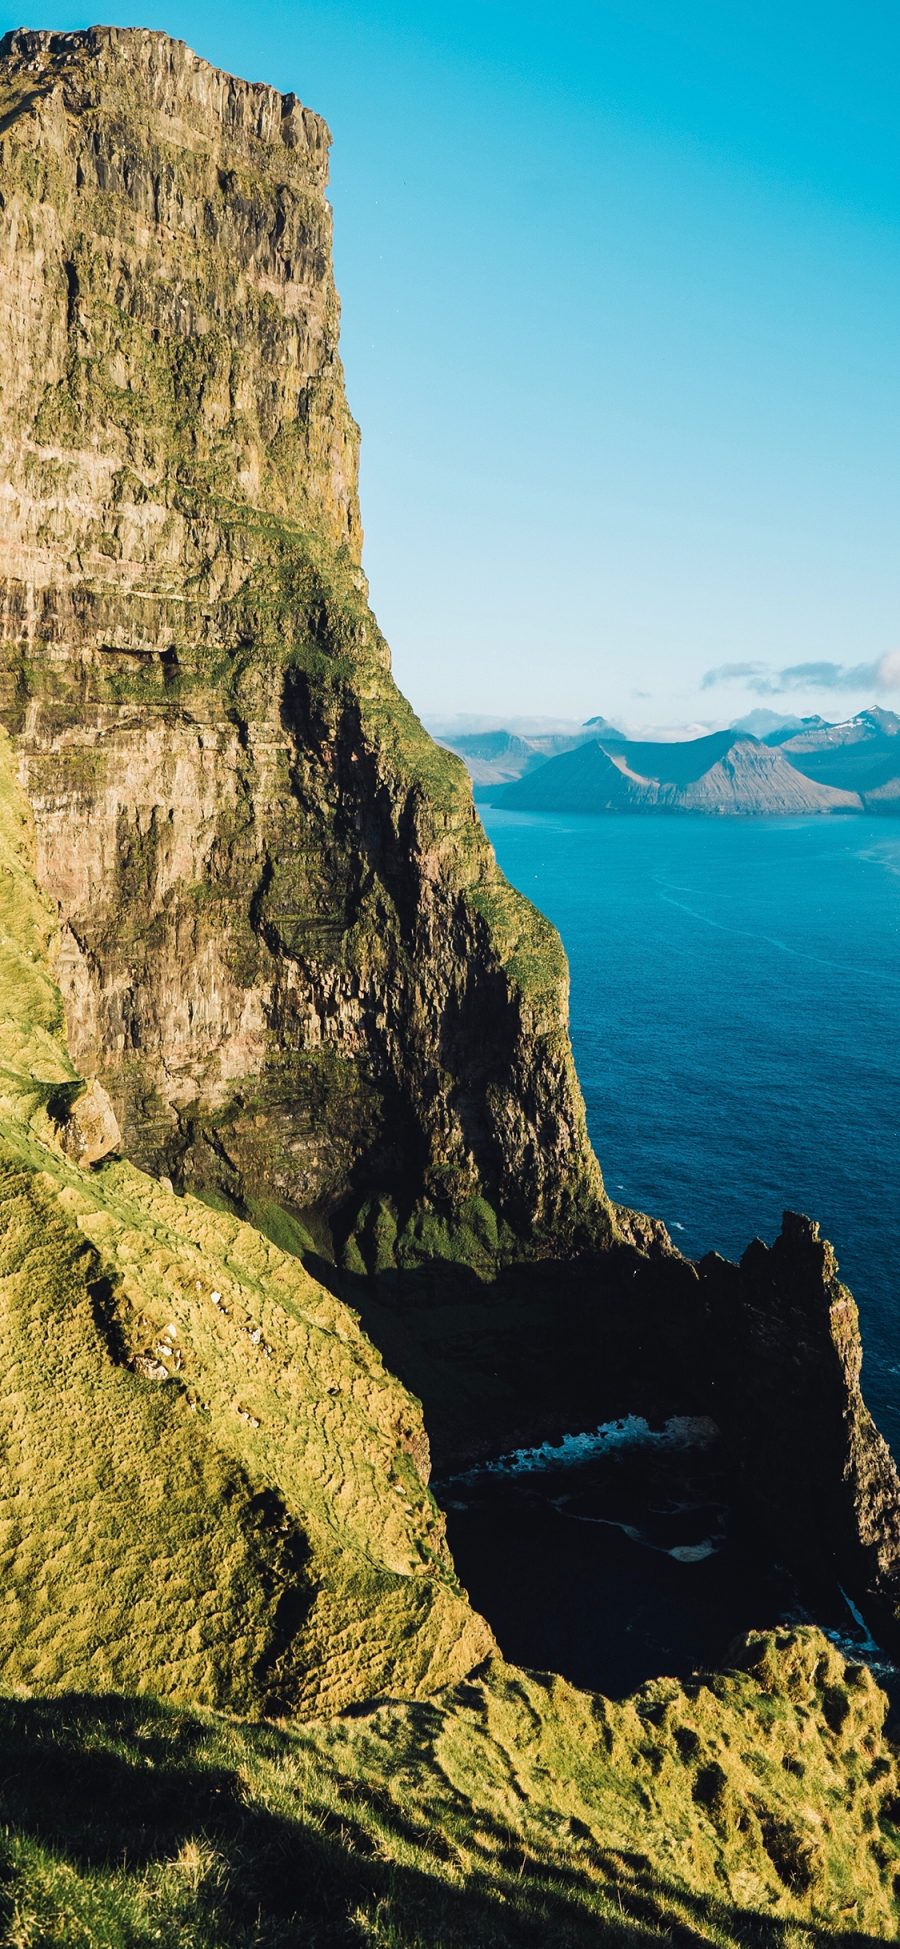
[(794, 727), (795, 764), (860, 755), (771, 726), (497, 756), (726, 772), (867, 727)]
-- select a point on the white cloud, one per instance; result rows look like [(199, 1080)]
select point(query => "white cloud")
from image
[(881, 674), (887, 675)]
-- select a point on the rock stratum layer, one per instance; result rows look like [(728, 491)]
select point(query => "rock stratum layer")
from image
[(288, 953)]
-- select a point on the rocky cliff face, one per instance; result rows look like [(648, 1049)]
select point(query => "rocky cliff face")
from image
[(285, 953), (286, 947), (786, 1362), (211, 1488)]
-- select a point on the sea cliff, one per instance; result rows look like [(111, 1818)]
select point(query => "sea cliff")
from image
[(287, 949), (289, 1136)]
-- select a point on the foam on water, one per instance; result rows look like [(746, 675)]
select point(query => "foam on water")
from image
[(574, 1451), (680, 1552), (854, 1641)]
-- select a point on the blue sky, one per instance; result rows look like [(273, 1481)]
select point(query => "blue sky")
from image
[(621, 297)]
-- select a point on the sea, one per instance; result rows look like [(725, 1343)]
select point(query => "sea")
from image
[(735, 1018)]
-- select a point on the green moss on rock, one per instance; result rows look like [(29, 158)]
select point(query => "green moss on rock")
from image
[(269, 872)]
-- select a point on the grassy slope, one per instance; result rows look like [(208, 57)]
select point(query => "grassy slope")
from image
[(758, 1810), (209, 1484)]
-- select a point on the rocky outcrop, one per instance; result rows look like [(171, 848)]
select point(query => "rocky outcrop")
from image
[(89, 1129), (786, 1358), (287, 952)]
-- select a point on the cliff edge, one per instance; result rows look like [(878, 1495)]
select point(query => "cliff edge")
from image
[(287, 950)]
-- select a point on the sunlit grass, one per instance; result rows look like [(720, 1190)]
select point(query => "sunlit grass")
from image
[(511, 1810)]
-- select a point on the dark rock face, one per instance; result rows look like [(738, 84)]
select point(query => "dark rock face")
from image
[(812, 1467)]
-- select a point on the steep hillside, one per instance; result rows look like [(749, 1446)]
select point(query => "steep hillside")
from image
[(723, 773), (287, 949), (758, 1810), (213, 1492), (211, 1488)]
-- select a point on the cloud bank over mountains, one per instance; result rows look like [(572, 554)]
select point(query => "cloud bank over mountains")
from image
[(881, 675)]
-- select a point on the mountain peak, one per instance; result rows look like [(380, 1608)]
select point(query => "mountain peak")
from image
[(886, 722), (172, 81)]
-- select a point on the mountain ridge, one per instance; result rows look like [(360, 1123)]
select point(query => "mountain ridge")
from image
[(813, 750), (725, 773), (862, 754)]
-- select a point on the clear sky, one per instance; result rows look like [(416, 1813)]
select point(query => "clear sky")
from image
[(621, 302)]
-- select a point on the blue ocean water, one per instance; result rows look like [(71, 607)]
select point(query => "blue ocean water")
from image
[(735, 1011)]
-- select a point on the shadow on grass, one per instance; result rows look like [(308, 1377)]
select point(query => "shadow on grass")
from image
[(115, 1786)]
